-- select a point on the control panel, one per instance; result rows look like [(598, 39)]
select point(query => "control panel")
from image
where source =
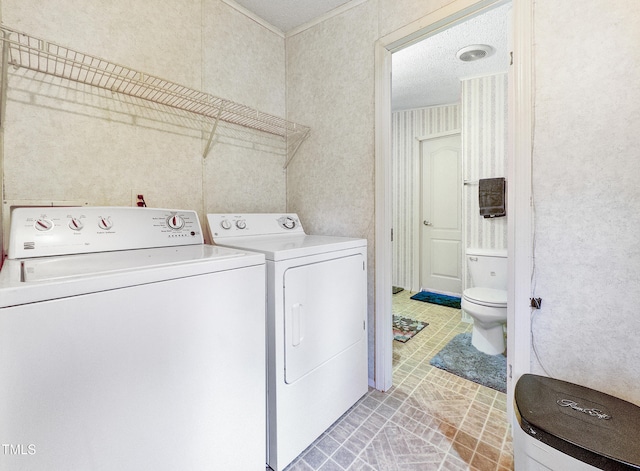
[(41, 232), (238, 225)]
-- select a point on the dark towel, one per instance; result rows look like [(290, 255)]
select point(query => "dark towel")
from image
[(491, 196)]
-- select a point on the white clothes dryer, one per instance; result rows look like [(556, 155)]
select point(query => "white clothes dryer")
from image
[(316, 325), (117, 348)]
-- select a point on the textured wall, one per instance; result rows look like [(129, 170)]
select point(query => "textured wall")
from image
[(66, 142), (244, 62), (585, 190), (330, 87), (406, 127)]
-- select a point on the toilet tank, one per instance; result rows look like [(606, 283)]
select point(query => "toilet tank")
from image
[(487, 268)]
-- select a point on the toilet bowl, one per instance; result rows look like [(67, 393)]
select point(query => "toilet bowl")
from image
[(486, 301), (488, 308)]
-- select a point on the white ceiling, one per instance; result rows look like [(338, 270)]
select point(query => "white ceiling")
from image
[(424, 74), (428, 73), (287, 15)]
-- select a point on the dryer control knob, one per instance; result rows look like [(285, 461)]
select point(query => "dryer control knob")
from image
[(225, 224), (43, 224), (105, 223), (241, 224), (175, 222), (75, 224), (288, 223)]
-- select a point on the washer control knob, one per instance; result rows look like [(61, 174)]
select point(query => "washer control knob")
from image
[(75, 224), (288, 222), (43, 224), (175, 222), (241, 224), (225, 224), (105, 223)]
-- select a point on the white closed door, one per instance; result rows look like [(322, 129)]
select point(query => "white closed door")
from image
[(441, 211)]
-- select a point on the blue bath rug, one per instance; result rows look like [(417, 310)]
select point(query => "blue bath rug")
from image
[(405, 328), (435, 298), (463, 359)]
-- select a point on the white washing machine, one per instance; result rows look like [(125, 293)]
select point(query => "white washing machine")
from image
[(120, 347), (316, 324)]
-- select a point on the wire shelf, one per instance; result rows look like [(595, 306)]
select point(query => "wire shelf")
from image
[(43, 56)]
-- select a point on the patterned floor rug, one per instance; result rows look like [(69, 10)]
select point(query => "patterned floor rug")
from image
[(405, 328), (436, 298), (463, 359)]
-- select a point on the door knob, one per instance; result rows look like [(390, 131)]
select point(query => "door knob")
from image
[(426, 223)]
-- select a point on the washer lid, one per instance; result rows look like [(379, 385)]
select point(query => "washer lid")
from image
[(486, 296), (70, 266), (46, 278), (588, 425), (285, 247)]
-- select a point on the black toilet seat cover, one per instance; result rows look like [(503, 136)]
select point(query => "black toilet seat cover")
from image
[(589, 425)]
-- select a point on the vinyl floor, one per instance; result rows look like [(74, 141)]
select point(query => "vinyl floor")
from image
[(429, 419)]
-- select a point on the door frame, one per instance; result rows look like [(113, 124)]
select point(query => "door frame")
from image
[(418, 248), (519, 175)]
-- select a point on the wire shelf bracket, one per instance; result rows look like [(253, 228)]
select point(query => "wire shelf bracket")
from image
[(22, 50), (214, 128)]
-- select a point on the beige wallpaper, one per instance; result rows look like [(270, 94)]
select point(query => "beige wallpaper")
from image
[(586, 197), (68, 142), (243, 62), (330, 88)]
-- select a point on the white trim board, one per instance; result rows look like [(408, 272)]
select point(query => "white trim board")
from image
[(520, 213)]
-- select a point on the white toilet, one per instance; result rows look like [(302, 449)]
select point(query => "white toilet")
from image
[(486, 301)]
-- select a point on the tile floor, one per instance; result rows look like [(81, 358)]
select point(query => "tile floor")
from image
[(429, 420)]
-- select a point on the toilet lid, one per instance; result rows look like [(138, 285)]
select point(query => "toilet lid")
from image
[(487, 296)]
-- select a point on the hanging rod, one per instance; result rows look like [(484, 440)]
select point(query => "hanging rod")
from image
[(40, 55)]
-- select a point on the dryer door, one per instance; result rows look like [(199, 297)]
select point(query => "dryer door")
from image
[(325, 312)]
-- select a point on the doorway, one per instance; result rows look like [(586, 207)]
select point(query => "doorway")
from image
[(441, 215), (519, 173)]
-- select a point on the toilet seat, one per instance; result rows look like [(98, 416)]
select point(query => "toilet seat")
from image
[(486, 296)]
